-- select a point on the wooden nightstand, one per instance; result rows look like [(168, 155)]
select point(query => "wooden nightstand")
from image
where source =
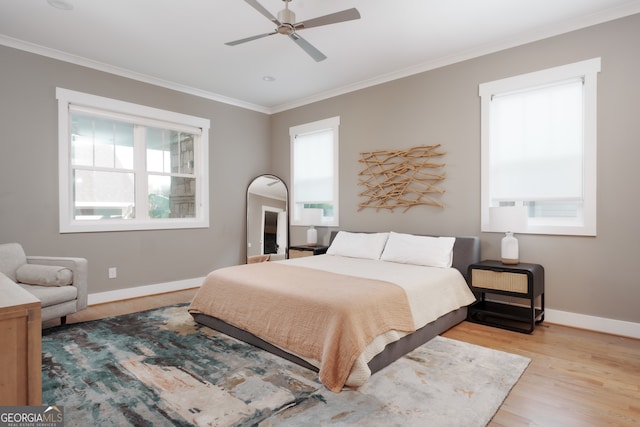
[(304, 250), (522, 281)]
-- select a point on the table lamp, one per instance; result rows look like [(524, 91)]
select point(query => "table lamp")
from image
[(312, 217), (508, 219)]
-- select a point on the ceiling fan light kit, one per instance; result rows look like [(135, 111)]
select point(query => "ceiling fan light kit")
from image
[(286, 25)]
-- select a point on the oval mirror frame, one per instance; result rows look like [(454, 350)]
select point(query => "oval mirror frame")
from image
[(267, 219)]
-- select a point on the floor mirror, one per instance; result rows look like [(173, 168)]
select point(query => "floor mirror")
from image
[(267, 219)]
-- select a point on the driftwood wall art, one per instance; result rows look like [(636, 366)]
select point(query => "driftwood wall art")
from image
[(401, 178)]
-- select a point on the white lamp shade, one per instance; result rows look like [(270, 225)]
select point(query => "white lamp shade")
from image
[(312, 216), (508, 218)]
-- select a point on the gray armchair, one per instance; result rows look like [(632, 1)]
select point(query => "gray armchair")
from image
[(60, 283)]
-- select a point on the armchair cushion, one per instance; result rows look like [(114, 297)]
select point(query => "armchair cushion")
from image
[(44, 275), (52, 295)]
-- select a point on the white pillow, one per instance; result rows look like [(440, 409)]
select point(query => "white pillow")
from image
[(358, 245), (419, 250), (44, 275)]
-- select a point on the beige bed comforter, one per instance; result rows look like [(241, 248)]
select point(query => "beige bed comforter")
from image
[(312, 313)]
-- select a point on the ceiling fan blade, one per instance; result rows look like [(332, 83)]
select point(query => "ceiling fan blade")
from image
[(307, 47), (248, 39), (257, 6), (332, 18)]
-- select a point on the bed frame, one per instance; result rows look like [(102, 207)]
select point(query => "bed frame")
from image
[(466, 251)]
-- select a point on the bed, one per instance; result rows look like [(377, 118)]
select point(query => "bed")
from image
[(347, 314)]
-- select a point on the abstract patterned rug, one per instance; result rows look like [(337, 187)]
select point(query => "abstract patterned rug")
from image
[(160, 368)]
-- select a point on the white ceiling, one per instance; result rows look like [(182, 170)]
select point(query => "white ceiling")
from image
[(180, 43)]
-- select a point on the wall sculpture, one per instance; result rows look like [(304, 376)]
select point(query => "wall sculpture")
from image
[(401, 178)]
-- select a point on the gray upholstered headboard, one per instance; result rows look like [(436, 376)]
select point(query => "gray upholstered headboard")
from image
[(466, 251)]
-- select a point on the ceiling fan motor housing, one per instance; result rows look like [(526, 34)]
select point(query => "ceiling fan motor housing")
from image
[(287, 17)]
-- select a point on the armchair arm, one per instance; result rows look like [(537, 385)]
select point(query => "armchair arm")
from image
[(79, 266)]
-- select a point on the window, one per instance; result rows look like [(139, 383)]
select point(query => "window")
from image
[(129, 167), (539, 149), (314, 173)]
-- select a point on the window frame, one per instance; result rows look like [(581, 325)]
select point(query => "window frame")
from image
[(332, 123), (148, 116), (586, 70)]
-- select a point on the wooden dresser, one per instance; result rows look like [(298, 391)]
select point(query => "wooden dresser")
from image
[(21, 352)]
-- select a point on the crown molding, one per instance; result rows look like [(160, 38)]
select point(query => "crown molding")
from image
[(122, 72)]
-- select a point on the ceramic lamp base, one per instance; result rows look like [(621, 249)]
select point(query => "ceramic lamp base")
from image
[(312, 236), (509, 249)]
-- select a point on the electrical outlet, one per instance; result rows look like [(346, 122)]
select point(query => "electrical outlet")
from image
[(113, 272)]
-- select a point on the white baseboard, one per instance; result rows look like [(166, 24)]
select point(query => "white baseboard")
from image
[(593, 323), (582, 321), (141, 291)]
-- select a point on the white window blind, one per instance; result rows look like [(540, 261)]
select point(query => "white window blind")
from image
[(313, 157), (314, 173), (537, 144)]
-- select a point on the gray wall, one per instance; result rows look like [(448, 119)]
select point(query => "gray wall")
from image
[(585, 275), (239, 150)]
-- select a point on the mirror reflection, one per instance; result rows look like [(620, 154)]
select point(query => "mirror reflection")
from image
[(267, 219)]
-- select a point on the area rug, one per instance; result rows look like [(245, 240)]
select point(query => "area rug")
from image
[(160, 368)]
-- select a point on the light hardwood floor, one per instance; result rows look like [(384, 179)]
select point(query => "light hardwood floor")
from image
[(576, 377)]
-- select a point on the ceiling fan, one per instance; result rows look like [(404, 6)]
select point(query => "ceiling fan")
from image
[(286, 24)]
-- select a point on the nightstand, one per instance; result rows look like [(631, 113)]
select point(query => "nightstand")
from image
[(522, 281), (304, 250)]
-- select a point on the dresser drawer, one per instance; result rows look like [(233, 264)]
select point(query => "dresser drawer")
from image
[(500, 280)]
